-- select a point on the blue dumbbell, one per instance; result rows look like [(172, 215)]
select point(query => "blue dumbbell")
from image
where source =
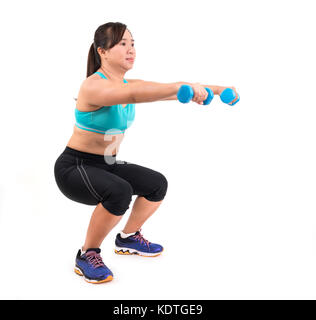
[(186, 93), (228, 95)]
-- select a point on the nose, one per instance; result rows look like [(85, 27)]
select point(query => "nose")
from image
[(131, 49)]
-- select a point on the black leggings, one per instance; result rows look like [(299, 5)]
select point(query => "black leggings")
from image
[(91, 178)]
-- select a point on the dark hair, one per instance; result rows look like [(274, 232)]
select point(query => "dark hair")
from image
[(106, 36)]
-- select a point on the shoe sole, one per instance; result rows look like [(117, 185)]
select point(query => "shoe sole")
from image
[(128, 251), (79, 272)]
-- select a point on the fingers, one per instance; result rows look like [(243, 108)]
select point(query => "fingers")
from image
[(236, 95), (200, 94)]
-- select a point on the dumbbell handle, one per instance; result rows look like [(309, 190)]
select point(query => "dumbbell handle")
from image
[(186, 93)]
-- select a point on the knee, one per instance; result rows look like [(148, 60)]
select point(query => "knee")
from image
[(160, 188), (118, 199)]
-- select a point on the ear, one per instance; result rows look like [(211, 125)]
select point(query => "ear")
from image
[(102, 52)]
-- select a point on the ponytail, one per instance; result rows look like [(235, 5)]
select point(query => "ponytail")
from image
[(93, 61)]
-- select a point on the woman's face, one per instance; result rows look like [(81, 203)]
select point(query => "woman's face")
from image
[(122, 54)]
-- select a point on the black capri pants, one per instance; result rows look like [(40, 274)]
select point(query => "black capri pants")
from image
[(91, 178)]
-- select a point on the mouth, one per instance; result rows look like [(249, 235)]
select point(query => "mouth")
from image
[(130, 59)]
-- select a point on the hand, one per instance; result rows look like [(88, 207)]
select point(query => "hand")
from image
[(221, 89), (200, 94)]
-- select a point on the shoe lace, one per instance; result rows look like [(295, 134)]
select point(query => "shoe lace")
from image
[(140, 237), (95, 259)]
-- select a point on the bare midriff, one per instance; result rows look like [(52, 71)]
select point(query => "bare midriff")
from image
[(92, 142), (97, 143)]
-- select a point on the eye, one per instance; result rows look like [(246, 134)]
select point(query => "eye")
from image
[(123, 44)]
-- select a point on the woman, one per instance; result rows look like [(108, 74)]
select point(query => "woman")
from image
[(87, 170)]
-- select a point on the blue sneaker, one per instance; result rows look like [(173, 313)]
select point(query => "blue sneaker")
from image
[(91, 267), (137, 244)]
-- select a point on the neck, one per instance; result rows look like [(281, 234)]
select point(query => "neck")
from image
[(113, 73)]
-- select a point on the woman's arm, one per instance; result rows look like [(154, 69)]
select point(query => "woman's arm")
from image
[(101, 92), (173, 97), (216, 89)]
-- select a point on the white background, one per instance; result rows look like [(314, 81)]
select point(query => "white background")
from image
[(238, 221)]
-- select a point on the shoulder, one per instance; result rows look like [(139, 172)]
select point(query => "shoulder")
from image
[(90, 86), (91, 79), (94, 82)]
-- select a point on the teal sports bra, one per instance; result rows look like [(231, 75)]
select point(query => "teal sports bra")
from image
[(108, 119)]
